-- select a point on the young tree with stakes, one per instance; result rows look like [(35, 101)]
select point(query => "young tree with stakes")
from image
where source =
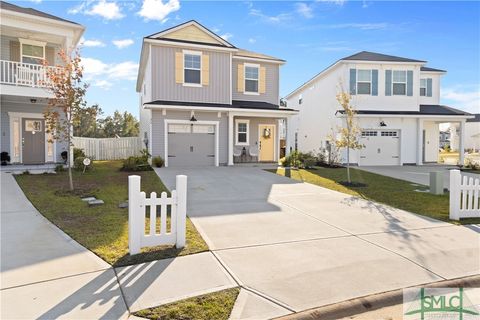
[(347, 136), (68, 90)]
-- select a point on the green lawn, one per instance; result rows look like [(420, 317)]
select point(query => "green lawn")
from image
[(103, 229), (393, 192), (212, 306)]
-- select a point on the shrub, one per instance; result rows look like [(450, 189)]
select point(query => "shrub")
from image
[(158, 162), (59, 168), (292, 160), (136, 164), (77, 152)]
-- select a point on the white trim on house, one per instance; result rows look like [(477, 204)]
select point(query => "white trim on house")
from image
[(19, 116), (238, 57), (243, 111), (212, 47), (192, 53), (251, 65), (275, 146), (175, 121), (237, 122)]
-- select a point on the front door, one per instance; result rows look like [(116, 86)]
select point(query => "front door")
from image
[(33, 141), (267, 142)]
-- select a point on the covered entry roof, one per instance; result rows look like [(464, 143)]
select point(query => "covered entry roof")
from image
[(255, 105), (425, 109)]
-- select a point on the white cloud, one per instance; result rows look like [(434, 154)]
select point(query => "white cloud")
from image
[(99, 72), (226, 36), (252, 40), (336, 2), (279, 18), (104, 84), (462, 97), (304, 10), (158, 10), (77, 9), (91, 43), (361, 26), (107, 10), (36, 1), (120, 44)]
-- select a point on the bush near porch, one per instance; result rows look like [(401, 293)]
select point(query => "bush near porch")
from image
[(102, 229), (393, 192)]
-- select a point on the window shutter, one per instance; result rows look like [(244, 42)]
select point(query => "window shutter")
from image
[(240, 78), (15, 51), (388, 82), (205, 69), (409, 83), (262, 80), (429, 87), (374, 82), (178, 67), (353, 81), (50, 55)]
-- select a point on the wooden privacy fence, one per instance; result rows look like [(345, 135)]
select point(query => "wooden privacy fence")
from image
[(109, 148), (464, 196), (151, 232)]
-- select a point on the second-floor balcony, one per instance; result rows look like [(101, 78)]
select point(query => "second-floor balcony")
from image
[(24, 74)]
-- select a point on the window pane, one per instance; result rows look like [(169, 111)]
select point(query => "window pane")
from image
[(192, 76), (423, 92), (363, 88), (242, 127), (399, 88), (35, 51), (399, 76), (192, 61), (251, 73), (423, 83), (251, 85), (242, 137), (364, 75), (31, 60)]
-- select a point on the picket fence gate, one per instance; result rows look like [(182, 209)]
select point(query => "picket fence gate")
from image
[(464, 196), (109, 148), (139, 234)]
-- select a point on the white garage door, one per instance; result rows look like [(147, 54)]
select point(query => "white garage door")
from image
[(191, 145), (381, 148)]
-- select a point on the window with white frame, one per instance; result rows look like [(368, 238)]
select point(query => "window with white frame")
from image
[(368, 133), (241, 137), (192, 68), (32, 51), (423, 87), (399, 82), (364, 82), (251, 78)]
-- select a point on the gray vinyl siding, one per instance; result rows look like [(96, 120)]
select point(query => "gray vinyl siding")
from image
[(253, 131), (158, 130), (164, 86), (5, 125), (271, 94)]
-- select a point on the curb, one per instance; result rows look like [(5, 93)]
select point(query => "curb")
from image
[(373, 302)]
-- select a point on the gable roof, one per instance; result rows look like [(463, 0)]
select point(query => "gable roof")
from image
[(373, 56), (431, 69), (204, 36), (11, 7)]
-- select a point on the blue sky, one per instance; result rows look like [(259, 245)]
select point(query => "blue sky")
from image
[(310, 35)]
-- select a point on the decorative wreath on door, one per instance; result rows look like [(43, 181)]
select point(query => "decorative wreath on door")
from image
[(267, 133)]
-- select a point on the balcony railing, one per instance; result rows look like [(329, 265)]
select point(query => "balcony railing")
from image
[(24, 74)]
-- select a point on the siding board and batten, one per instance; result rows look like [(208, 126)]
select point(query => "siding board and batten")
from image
[(192, 33), (271, 91)]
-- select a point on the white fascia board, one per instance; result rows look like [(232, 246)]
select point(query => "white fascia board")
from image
[(144, 56), (163, 42), (441, 73), (422, 116), (217, 109), (258, 60), (382, 62)]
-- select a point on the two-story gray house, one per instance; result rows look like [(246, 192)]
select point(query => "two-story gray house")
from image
[(204, 101)]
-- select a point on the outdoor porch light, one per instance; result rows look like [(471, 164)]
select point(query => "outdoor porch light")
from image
[(383, 124), (33, 100), (192, 117)]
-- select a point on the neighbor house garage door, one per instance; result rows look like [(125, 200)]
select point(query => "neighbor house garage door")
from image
[(191, 145), (381, 148)]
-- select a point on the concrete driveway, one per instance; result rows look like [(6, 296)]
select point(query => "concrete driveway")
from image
[(415, 174), (302, 246)]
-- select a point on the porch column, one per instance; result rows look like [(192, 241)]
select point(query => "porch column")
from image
[(288, 138), (230, 139), (419, 141), (461, 143)]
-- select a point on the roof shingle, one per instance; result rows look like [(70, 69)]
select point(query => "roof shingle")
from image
[(373, 56)]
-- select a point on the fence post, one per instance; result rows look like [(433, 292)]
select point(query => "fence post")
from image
[(455, 187), (134, 216), (181, 187)]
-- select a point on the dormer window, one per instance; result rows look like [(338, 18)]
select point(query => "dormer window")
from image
[(192, 67), (251, 78), (399, 83), (364, 82), (32, 51), (423, 87)]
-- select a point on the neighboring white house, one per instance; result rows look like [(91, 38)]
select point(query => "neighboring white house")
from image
[(472, 134), (397, 102), (28, 37)]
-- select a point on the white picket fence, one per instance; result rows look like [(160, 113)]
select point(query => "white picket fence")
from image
[(139, 234), (464, 196), (109, 148)]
